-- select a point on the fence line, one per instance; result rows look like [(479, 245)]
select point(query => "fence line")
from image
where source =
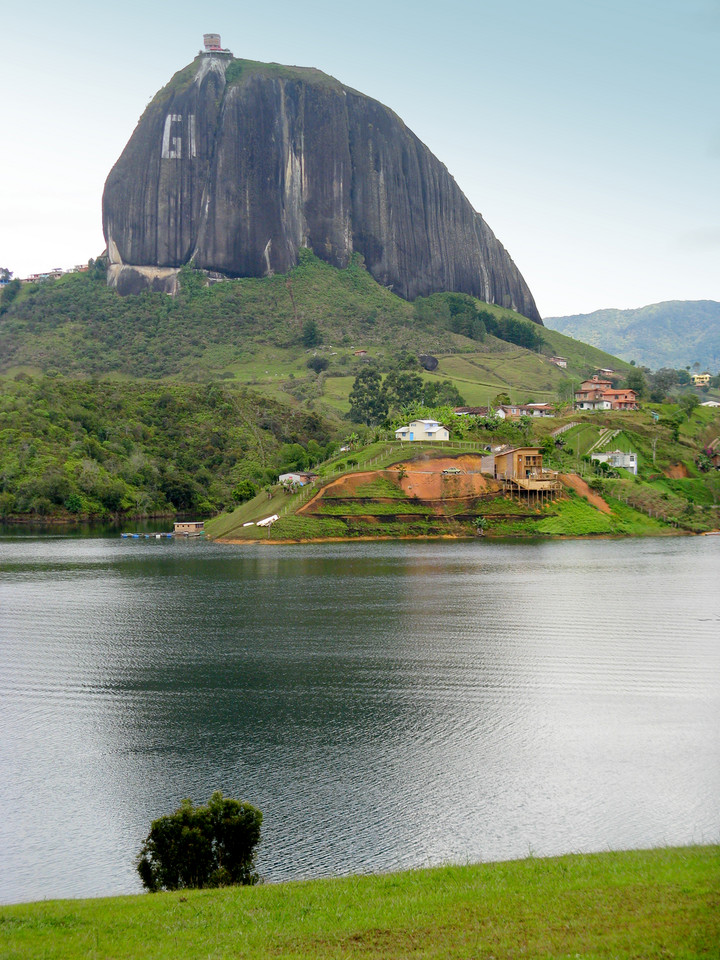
[(567, 426)]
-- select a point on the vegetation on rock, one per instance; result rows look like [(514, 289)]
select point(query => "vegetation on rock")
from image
[(122, 446)]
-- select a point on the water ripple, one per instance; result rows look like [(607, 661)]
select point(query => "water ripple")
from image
[(386, 705)]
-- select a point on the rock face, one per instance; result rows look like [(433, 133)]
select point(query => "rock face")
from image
[(237, 165)]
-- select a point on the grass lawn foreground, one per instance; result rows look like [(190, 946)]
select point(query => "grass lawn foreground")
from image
[(640, 904)]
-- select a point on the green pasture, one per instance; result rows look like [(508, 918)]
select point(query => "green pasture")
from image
[(632, 905)]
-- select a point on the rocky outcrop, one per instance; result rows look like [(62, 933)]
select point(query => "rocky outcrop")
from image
[(236, 165)]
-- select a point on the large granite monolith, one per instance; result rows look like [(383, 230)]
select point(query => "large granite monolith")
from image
[(236, 165)]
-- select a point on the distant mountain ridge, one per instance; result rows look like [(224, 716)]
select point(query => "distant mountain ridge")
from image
[(675, 333)]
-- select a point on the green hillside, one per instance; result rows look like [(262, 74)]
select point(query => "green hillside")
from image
[(677, 333), (673, 490), (263, 333), (646, 903), (151, 405)]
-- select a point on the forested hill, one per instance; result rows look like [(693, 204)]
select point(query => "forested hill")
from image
[(99, 449), (676, 333), (77, 326)]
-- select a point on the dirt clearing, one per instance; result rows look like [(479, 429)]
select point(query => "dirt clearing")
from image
[(577, 484)]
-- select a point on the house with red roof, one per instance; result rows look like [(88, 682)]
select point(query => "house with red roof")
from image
[(599, 394)]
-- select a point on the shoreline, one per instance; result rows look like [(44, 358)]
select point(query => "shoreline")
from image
[(85, 520), (449, 536), (264, 884)]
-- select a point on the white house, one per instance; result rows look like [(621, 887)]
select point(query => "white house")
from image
[(540, 409), (423, 430), (616, 458)]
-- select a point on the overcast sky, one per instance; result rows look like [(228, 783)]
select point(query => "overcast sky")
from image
[(586, 132)]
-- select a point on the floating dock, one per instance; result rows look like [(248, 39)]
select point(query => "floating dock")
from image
[(147, 536)]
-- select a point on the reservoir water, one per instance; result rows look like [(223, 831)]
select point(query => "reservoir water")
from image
[(386, 705)]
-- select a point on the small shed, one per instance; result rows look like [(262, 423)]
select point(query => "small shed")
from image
[(540, 409), (298, 478), (189, 528), (473, 411)]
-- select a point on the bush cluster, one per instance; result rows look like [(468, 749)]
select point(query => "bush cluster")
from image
[(203, 846)]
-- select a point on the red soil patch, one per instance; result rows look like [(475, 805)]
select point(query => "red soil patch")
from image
[(425, 480), (579, 486), (345, 486), (677, 471)]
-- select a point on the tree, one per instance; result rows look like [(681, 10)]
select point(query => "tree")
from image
[(293, 456), (310, 335), (5, 275), (244, 491), (478, 330), (368, 402), (401, 389), (190, 280), (636, 381), (661, 383), (318, 364), (210, 846), (567, 389), (688, 403), (547, 445), (442, 394), (9, 292)]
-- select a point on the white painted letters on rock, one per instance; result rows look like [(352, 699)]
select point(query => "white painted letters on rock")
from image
[(172, 142)]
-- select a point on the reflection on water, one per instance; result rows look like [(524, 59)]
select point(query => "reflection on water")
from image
[(385, 705)]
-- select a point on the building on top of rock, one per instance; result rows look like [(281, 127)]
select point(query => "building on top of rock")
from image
[(213, 44)]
